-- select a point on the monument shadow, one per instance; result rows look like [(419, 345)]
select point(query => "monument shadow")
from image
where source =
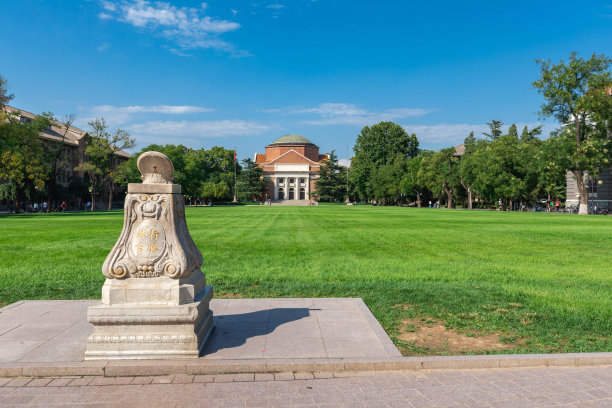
[(233, 330)]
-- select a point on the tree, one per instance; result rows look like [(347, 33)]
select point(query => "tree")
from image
[(215, 191), (495, 129), (411, 180), (101, 147), (468, 166), (22, 164), (251, 182), (5, 96), (387, 181), (551, 158), (577, 94), (331, 184), (439, 171), (377, 146)]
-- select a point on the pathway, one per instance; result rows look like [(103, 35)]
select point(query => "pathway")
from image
[(492, 388)]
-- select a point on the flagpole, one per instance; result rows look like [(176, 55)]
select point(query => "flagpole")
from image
[(235, 179)]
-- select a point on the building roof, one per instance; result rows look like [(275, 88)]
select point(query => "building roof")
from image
[(260, 158), (292, 139), (459, 150), (57, 130)]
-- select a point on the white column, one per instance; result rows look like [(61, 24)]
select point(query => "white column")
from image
[(275, 188)]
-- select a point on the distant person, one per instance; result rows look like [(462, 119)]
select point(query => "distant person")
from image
[(63, 206), (429, 203), (557, 204), (44, 206), (36, 207)]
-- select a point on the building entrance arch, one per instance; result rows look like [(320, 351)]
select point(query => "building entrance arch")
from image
[(281, 193), (302, 194), (292, 194)]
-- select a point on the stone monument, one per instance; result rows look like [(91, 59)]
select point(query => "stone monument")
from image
[(155, 302)]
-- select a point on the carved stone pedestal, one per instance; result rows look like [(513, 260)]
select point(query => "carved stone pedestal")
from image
[(155, 302)]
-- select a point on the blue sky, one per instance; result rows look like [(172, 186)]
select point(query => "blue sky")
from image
[(242, 73)]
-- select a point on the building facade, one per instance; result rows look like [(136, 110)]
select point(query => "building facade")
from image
[(600, 190), (291, 164)]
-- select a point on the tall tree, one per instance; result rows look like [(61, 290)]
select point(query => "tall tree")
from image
[(377, 146), (331, 184), (102, 146), (468, 167), (251, 182), (495, 127), (577, 94), (412, 181)]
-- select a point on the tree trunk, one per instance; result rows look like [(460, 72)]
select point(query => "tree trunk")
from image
[(511, 204), (110, 198), (584, 192), (418, 199), (449, 195), (469, 191)]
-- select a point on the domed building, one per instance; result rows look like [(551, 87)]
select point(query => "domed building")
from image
[(291, 163)]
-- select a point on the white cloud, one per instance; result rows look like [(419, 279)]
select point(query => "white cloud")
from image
[(275, 6), (327, 114), (200, 129), (104, 16), (451, 134), (118, 115), (234, 11), (185, 26)]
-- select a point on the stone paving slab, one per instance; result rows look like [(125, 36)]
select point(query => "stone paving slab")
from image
[(568, 387), (48, 338)]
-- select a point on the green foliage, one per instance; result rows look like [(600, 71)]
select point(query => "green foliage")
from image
[(5, 96), (251, 182), (192, 167), (377, 146), (577, 94), (101, 147), (495, 127), (22, 161), (215, 191), (440, 173), (331, 184)]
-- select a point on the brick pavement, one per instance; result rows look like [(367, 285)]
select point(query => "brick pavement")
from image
[(492, 388)]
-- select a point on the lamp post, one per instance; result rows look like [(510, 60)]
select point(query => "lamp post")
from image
[(235, 180)]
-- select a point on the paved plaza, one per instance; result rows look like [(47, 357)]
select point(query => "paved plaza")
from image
[(492, 388), (57, 331)]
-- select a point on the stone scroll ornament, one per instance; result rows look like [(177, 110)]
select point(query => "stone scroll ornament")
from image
[(155, 241)]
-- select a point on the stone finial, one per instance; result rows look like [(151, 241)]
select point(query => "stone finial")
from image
[(156, 168)]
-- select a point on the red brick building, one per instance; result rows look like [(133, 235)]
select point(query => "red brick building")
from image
[(292, 164)]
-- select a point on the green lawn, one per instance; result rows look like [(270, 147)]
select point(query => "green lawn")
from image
[(543, 282)]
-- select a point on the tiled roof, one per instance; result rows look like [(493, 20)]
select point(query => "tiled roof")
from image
[(260, 158)]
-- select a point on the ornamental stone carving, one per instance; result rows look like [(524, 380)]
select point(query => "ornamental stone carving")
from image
[(155, 302), (155, 241)]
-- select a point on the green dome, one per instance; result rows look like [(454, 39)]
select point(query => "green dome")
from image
[(292, 139)]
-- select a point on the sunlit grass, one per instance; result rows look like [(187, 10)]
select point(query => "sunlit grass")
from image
[(542, 278)]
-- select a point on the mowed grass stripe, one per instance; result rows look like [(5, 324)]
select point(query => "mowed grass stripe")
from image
[(542, 278)]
